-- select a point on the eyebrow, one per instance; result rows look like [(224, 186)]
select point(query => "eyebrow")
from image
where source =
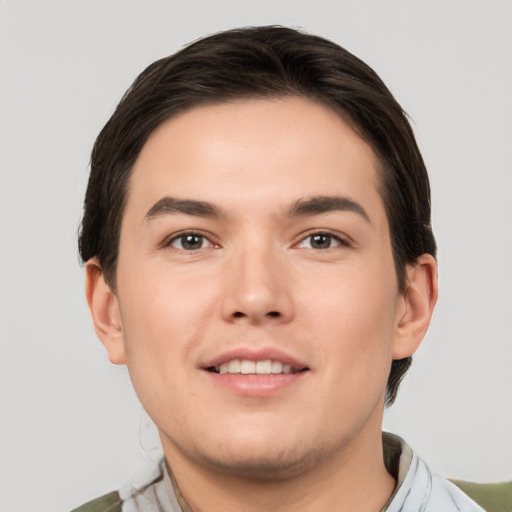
[(170, 205), (300, 208), (324, 204)]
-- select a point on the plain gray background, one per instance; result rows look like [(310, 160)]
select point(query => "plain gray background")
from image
[(71, 427)]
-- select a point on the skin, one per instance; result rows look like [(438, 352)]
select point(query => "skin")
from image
[(255, 281)]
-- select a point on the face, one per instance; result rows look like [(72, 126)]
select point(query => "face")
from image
[(256, 296)]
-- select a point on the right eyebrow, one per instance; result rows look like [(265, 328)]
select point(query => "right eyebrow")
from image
[(325, 204), (171, 205)]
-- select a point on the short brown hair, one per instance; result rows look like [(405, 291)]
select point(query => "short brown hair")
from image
[(260, 62)]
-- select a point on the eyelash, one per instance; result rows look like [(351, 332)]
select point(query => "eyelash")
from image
[(181, 236), (340, 240), (332, 237)]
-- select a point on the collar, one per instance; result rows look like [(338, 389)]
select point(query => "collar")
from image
[(416, 490)]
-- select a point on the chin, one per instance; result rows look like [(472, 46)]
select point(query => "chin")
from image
[(263, 465)]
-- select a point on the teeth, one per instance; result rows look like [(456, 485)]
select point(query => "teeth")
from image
[(234, 366), (246, 367), (264, 367), (277, 367)]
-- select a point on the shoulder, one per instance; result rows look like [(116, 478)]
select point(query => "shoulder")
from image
[(418, 488), (108, 503), (496, 497)]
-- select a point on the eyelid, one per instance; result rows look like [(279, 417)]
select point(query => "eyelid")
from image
[(168, 240), (343, 239)]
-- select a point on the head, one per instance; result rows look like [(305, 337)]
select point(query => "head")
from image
[(262, 63)]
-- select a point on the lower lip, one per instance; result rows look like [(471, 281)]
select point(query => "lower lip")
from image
[(256, 385)]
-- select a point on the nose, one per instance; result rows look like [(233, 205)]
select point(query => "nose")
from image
[(257, 288)]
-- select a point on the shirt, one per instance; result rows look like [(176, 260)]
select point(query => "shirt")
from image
[(417, 488)]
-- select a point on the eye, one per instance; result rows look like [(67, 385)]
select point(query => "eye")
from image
[(190, 242), (321, 241)]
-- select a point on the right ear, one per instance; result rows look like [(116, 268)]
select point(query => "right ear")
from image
[(105, 312)]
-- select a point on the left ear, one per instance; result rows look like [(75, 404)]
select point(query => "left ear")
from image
[(420, 297)]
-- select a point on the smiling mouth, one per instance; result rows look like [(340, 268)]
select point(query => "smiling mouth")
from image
[(247, 367)]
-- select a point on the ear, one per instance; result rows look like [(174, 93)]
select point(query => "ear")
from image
[(419, 299), (105, 313)]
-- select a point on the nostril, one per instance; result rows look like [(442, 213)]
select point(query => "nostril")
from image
[(270, 314)]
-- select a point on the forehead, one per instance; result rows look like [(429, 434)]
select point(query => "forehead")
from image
[(252, 149)]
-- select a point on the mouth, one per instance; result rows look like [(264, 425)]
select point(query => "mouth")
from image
[(259, 367), (257, 373)]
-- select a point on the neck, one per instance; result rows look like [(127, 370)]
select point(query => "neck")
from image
[(354, 480)]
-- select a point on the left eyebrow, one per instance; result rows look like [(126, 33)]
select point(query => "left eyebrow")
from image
[(171, 205), (324, 204)]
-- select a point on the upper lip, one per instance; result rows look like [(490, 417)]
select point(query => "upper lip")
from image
[(261, 354)]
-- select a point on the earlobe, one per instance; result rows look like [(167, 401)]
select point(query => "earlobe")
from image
[(420, 297), (104, 308)]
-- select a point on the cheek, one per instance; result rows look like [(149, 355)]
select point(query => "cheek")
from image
[(352, 314), (165, 318), (159, 333)]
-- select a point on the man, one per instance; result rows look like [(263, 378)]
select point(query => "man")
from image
[(259, 253)]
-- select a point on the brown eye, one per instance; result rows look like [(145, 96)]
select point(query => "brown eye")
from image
[(321, 241), (190, 242)]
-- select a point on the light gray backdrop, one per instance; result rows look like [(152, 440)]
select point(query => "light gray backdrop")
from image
[(71, 427)]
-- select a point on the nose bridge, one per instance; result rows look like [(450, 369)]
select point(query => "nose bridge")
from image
[(257, 287)]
